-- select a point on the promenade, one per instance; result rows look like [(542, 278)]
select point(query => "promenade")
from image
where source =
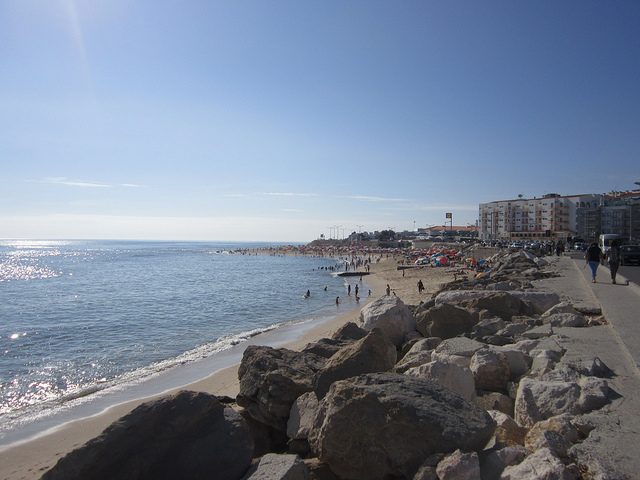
[(614, 445)]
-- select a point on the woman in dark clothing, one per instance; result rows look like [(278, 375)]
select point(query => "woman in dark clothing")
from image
[(614, 259), (593, 255)]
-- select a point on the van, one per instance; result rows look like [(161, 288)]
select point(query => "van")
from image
[(605, 239)]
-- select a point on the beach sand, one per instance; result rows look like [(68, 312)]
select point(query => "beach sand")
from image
[(30, 459)]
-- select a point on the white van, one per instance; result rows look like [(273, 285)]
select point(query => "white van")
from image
[(605, 239)]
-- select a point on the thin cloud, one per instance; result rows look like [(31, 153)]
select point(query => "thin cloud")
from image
[(289, 194), (82, 183), (368, 198), (74, 183)]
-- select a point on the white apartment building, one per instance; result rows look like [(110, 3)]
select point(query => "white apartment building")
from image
[(551, 217)]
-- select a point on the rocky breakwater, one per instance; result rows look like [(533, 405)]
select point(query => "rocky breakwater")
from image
[(468, 385)]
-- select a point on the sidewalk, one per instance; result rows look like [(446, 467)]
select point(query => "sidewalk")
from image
[(613, 447)]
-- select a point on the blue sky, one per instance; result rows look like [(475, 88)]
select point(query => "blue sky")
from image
[(275, 120)]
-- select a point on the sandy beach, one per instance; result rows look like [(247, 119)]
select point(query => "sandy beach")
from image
[(30, 459)]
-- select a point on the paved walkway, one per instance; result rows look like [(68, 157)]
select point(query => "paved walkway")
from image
[(613, 448)]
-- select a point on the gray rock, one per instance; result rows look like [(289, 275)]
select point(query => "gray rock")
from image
[(562, 307), (508, 433), (490, 370), (349, 331), (303, 411), (390, 315), (445, 321), (187, 435), (425, 344), (274, 466), (514, 329), (493, 462), (412, 360), (535, 333), (457, 379), (462, 346), (459, 466), (538, 400), (541, 465), (394, 423), (566, 320), (326, 347), (373, 353), (541, 301), (272, 379), (519, 362), (495, 401), (488, 326), (319, 470)]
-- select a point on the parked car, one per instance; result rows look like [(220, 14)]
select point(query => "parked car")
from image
[(630, 255), (580, 246)]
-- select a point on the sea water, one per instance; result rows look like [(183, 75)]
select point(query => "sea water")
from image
[(81, 317)]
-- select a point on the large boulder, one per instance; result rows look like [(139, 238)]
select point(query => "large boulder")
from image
[(303, 411), (411, 360), (458, 350), (508, 433), (519, 362), (384, 425), (538, 400), (271, 379), (451, 376), (349, 331), (459, 466), (373, 353), (326, 347), (273, 466), (391, 315), (187, 435), (493, 462), (445, 321), (541, 465), (490, 369), (541, 301)]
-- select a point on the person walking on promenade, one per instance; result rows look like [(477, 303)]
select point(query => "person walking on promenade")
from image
[(593, 256), (614, 259)]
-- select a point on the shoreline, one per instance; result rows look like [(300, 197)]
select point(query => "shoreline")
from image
[(30, 458)]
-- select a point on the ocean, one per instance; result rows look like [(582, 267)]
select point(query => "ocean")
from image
[(87, 320)]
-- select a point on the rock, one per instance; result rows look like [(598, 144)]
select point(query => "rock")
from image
[(426, 472), (394, 423), (538, 400), (541, 465), (459, 466), (514, 329), (349, 331), (303, 411), (538, 332), (490, 370), (519, 362), (543, 363), (594, 367), (594, 394), (501, 304), (508, 432), (445, 321), (493, 462), (495, 401), (541, 301), (373, 353), (488, 326), (319, 470), (412, 360), (425, 344), (274, 466), (566, 320), (540, 262), (271, 380), (526, 346), (326, 347), (461, 346), (562, 307), (187, 435), (265, 438), (390, 315), (549, 345), (457, 379)]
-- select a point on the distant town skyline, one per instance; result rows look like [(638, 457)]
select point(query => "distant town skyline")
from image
[(277, 121)]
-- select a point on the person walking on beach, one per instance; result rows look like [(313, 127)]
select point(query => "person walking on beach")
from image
[(357, 290), (388, 289), (593, 256), (420, 286), (614, 259), (349, 290)]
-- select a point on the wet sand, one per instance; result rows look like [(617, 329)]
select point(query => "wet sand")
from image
[(30, 459)]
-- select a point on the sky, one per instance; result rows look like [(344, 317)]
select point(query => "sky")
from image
[(284, 120)]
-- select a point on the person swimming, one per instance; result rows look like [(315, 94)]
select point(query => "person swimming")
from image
[(308, 294)]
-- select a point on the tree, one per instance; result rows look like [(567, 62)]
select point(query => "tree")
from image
[(387, 235)]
